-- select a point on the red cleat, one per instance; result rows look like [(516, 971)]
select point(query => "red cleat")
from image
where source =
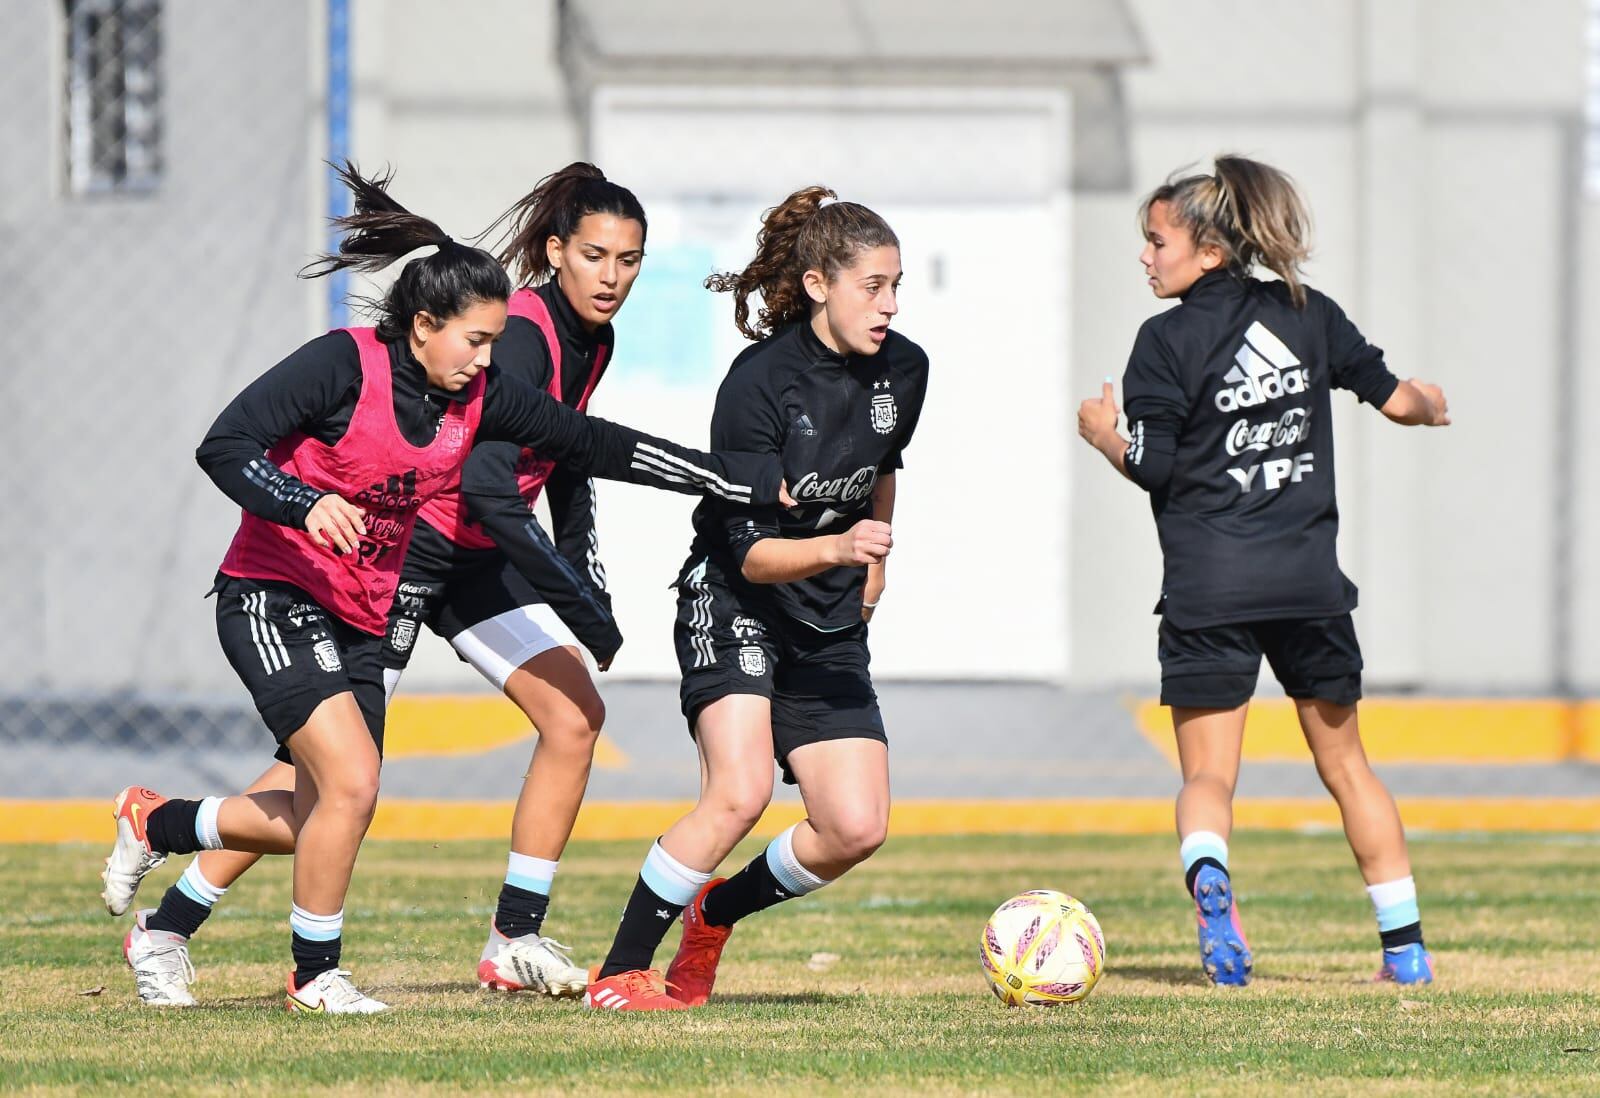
[(638, 989), (694, 969)]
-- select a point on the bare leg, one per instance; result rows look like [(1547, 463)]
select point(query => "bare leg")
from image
[(556, 693), (845, 785), (1209, 743), (1371, 820)]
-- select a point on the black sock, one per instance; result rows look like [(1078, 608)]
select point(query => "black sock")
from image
[(1194, 871), (312, 959), (170, 828), (519, 912), (748, 891), (644, 923), (1402, 935), (178, 914)]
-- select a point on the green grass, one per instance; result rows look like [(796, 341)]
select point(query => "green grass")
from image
[(1514, 925)]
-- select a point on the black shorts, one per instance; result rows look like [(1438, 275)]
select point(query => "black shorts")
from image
[(449, 589), (820, 684), (292, 655), (1216, 667)]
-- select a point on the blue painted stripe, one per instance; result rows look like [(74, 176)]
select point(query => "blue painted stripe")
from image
[(338, 119)]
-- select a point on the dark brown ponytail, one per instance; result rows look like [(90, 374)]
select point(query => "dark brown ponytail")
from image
[(380, 231), (555, 207), (800, 234)]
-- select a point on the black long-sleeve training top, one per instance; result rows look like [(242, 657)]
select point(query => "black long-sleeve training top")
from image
[(1228, 401), (566, 570), (838, 422), (314, 391)]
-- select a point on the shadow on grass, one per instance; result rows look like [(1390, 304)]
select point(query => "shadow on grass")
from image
[(1182, 975), (798, 998)]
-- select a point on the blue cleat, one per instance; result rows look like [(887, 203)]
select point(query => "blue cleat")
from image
[(1407, 964), (1224, 953)]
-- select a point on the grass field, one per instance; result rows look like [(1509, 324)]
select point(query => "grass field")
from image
[(1514, 925)]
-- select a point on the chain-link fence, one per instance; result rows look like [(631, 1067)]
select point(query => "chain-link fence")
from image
[(152, 212), (161, 183)]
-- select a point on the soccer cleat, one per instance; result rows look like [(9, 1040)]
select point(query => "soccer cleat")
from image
[(529, 963), (1224, 953), (131, 856), (694, 968), (331, 992), (1407, 964), (160, 962), (636, 990)]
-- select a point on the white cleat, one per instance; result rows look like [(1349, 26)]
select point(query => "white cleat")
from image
[(131, 856), (530, 963), (331, 993), (160, 962)]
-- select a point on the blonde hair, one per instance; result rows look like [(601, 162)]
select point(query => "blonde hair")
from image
[(811, 230), (1250, 210)]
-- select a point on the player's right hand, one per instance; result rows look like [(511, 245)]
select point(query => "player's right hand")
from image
[(337, 523), (867, 542)]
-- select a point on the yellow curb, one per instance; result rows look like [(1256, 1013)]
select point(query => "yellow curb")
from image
[(1412, 730), (430, 726), (90, 821)]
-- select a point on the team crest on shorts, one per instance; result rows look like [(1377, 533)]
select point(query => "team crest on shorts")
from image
[(403, 635), (884, 413), (327, 654), (752, 660)]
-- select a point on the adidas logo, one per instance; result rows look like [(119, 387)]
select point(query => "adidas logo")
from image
[(1263, 370), (803, 425)]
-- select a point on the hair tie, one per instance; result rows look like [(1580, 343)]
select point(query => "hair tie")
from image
[(828, 200)]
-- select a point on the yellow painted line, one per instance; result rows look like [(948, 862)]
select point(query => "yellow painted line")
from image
[(90, 821), (427, 726), (1401, 730)]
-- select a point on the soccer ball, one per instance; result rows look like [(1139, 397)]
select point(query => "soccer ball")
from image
[(1041, 948)]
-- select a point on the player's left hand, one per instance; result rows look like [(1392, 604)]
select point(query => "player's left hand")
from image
[(1097, 418), (785, 500)]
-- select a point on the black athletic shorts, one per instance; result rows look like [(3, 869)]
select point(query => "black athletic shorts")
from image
[(1216, 667), (292, 655), (449, 589), (820, 684)]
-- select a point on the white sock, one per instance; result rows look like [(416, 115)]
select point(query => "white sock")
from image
[(669, 878), (194, 885), (531, 874), (205, 824), (786, 867), (316, 928)]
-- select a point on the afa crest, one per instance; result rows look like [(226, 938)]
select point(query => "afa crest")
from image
[(752, 660), (884, 413)]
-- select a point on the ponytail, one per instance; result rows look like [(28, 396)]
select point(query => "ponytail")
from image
[(380, 231), (555, 207), (806, 232), (1250, 210)]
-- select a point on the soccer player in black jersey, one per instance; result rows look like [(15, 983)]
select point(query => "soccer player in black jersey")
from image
[(331, 454), (516, 608), (1228, 399), (772, 606)]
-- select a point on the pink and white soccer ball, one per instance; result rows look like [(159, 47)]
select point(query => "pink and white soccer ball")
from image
[(1041, 948)]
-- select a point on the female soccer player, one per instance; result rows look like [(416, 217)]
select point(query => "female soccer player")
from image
[(331, 454), (771, 634), (1228, 408), (500, 592)]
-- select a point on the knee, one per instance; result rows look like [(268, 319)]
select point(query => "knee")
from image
[(575, 733), (352, 794), (1341, 770), (854, 837), (1218, 781), (735, 809)]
